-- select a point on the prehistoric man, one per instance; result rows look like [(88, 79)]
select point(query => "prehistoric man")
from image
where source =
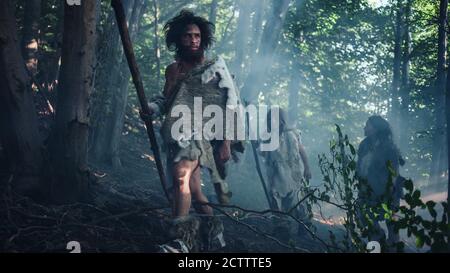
[(189, 78)]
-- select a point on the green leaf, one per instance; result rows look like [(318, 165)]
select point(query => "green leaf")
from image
[(443, 226), (418, 219), (432, 211), (352, 165), (420, 241), (409, 185), (444, 205), (426, 224), (402, 223), (338, 129), (352, 149), (408, 199), (431, 204), (416, 194)]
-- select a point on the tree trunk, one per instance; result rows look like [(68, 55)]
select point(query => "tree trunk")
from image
[(296, 74), (19, 134), (110, 57), (443, 13), (120, 95), (109, 122), (30, 36), (213, 11), (396, 78), (70, 134), (257, 26), (403, 133), (156, 44), (263, 60), (294, 96), (439, 164), (49, 64), (242, 37), (166, 14)]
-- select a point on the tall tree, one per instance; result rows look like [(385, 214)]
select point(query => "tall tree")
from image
[(213, 11), (241, 36), (294, 96), (108, 77), (397, 65), (269, 40), (438, 164), (443, 10), (120, 95), (257, 25), (30, 36), (405, 81), (296, 75), (18, 122), (111, 104), (70, 133), (156, 43), (51, 37)]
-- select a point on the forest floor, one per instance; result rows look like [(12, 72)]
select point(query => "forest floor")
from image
[(129, 213), (244, 231)]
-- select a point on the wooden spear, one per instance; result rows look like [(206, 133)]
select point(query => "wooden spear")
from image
[(258, 164), (137, 80)]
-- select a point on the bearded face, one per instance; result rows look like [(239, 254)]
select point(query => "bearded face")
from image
[(190, 48)]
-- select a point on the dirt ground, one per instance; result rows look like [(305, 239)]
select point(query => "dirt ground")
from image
[(129, 213)]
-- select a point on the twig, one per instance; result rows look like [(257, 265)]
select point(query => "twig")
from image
[(37, 217), (332, 203), (125, 214), (215, 206), (260, 232), (299, 202)]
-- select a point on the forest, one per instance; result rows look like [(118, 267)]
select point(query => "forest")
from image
[(76, 164)]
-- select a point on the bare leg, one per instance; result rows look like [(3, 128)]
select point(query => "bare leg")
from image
[(182, 172), (197, 194)]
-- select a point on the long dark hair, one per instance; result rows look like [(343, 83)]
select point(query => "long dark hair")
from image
[(177, 25), (383, 130), (282, 119), (383, 134)]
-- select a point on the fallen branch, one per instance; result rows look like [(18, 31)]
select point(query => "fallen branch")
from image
[(260, 232), (126, 214), (216, 206)]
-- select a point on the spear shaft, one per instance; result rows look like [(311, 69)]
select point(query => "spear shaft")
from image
[(137, 80)]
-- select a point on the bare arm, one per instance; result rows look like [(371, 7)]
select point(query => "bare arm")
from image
[(158, 103), (171, 78)]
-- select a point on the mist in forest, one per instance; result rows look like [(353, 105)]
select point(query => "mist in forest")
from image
[(328, 64), (285, 78)]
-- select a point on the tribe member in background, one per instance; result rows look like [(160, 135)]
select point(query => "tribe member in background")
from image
[(377, 153), (286, 167)]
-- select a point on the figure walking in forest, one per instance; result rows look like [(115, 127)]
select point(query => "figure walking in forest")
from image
[(378, 163), (193, 76), (287, 167)]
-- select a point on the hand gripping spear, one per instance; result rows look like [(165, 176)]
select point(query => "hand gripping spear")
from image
[(129, 53)]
